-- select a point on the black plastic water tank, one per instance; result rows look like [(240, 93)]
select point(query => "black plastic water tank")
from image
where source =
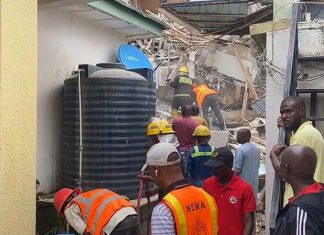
[(116, 105)]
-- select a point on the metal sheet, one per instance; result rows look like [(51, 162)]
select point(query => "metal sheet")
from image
[(219, 16), (259, 106), (211, 15)]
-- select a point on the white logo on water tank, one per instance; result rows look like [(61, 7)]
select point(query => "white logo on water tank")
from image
[(131, 58)]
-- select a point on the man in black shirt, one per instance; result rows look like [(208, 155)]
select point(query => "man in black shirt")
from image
[(304, 213)]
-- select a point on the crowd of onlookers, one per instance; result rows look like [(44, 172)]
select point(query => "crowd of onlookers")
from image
[(232, 179), (208, 190), (232, 182)]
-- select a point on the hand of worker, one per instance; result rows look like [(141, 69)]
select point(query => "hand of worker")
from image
[(279, 122), (167, 81), (276, 150)]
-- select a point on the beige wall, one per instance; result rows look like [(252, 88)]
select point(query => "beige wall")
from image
[(18, 61)]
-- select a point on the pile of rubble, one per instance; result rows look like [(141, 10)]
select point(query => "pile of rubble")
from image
[(208, 57)]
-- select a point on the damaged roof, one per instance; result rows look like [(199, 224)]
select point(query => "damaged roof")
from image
[(219, 16)]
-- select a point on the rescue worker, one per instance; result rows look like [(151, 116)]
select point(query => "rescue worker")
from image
[(200, 154), (207, 98), (184, 209), (183, 90), (161, 131), (153, 129), (97, 212)]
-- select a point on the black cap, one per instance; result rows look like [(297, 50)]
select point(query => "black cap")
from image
[(220, 157)]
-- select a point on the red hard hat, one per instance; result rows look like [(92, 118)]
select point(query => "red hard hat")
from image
[(61, 196)]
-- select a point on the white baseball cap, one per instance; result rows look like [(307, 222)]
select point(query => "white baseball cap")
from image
[(158, 155)]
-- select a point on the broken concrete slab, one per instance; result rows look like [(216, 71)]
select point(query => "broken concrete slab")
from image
[(221, 60), (218, 139)]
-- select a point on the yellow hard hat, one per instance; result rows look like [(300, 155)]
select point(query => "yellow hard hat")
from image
[(183, 69), (153, 129), (202, 131), (165, 127)]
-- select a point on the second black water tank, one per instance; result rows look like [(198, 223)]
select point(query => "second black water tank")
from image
[(116, 105)]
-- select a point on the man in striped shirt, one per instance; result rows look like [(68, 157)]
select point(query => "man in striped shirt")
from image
[(184, 209), (304, 213)]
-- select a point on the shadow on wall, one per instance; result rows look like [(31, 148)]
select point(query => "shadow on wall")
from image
[(52, 136)]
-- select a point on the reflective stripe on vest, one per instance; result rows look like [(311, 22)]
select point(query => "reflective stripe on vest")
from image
[(213, 208), (193, 210), (185, 80), (182, 95), (182, 218), (88, 201), (197, 153), (98, 206), (101, 209)]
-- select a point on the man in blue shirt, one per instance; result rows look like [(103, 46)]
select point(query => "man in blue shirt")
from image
[(247, 159), (198, 155)]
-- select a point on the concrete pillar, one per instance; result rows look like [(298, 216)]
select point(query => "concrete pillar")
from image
[(277, 52), (18, 90), (274, 95)]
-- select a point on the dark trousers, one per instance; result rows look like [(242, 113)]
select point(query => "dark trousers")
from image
[(184, 157), (181, 101), (212, 102)]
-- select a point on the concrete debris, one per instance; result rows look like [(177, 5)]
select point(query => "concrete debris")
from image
[(221, 61), (208, 58), (207, 65)]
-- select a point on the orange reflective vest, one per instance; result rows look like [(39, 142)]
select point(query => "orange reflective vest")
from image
[(98, 206), (201, 92), (194, 211)]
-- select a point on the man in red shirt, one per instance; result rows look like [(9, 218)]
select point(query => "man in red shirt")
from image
[(184, 127), (234, 196)]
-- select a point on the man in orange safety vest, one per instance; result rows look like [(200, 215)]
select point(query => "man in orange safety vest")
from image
[(184, 209), (207, 98), (97, 212)]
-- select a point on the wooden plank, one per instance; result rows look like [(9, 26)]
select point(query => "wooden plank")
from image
[(247, 75), (237, 92), (178, 20), (212, 15), (258, 140), (245, 99), (175, 70), (269, 26)]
